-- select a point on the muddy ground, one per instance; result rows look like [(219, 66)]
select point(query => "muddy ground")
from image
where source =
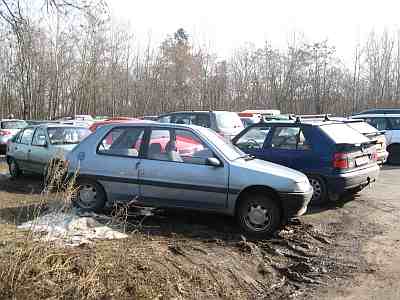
[(345, 250)]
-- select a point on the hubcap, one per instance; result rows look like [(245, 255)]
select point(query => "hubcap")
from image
[(13, 168), (317, 188), (87, 195), (257, 217)]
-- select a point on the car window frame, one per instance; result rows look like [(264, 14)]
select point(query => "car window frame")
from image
[(22, 133), (268, 143), (147, 141), (247, 129), (34, 134), (141, 150)]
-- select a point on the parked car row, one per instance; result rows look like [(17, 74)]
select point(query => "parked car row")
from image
[(263, 174)]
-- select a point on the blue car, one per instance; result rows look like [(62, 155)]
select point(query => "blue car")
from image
[(335, 157)]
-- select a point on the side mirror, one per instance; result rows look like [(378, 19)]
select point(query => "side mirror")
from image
[(213, 161)]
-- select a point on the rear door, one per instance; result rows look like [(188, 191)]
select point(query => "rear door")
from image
[(40, 155), (115, 163), (21, 150), (175, 172), (288, 146)]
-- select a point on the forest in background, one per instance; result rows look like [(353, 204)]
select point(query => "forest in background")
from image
[(60, 58)]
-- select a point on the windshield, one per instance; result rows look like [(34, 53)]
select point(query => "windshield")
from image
[(228, 120), (67, 135), (343, 134), (13, 124), (229, 150), (362, 127)]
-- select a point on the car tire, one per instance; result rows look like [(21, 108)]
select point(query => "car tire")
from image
[(259, 215), (394, 155), (13, 168), (90, 196), (320, 190)]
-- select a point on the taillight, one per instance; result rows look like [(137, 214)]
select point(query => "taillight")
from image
[(343, 161), (5, 132), (374, 155)]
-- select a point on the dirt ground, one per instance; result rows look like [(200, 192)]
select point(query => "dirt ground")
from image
[(346, 250)]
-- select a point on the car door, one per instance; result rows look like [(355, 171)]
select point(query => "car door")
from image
[(253, 139), (175, 173), (288, 146), (115, 163), (22, 149), (40, 155)]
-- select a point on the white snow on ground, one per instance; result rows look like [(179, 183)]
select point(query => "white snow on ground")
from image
[(70, 229)]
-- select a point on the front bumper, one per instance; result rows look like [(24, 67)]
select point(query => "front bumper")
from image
[(337, 184), (295, 204)]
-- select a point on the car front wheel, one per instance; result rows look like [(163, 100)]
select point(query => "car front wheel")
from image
[(259, 215), (90, 196)]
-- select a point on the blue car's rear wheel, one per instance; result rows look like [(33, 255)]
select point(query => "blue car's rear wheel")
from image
[(258, 215), (90, 196), (320, 192)]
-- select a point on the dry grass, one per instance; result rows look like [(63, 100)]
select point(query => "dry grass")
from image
[(159, 266)]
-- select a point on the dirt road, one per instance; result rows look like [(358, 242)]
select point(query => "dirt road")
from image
[(348, 250)]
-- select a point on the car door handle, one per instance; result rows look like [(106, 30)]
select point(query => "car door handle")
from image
[(29, 151)]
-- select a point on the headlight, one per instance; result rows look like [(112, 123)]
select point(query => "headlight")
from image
[(302, 186)]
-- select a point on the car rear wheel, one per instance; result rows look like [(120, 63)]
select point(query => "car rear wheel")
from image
[(320, 192), (394, 155), (258, 215), (13, 168), (90, 196)]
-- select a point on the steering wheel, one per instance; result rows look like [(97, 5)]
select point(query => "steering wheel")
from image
[(252, 144)]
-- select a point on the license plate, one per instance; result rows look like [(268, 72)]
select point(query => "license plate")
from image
[(362, 160)]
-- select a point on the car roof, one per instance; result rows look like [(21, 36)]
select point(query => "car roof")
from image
[(373, 115), (55, 125), (307, 122), (381, 111), (4, 120), (196, 112), (151, 124)]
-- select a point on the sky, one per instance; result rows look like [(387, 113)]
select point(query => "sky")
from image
[(225, 25)]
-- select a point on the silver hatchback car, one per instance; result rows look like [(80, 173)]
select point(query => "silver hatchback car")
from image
[(190, 167)]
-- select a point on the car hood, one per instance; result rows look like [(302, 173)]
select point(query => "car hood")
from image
[(263, 166)]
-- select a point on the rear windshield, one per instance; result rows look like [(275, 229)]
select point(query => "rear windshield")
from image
[(343, 134), (363, 127), (228, 120), (13, 124), (67, 135)]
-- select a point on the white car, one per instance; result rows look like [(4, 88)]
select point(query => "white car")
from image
[(8, 129), (390, 123)]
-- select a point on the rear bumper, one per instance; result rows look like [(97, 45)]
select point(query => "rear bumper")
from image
[(295, 204), (337, 184)]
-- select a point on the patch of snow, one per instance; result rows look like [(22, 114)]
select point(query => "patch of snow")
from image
[(70, 229)]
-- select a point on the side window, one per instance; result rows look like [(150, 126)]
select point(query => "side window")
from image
[(27, 135), (378, 123), (165, 119), (394, 123), (254, 138), (178, 146), (190, 149), (17, 137), (39, 139), (202, 120), (184, 119), (290, 138), (122, 142)]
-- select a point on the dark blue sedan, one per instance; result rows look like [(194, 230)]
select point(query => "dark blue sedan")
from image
[(335, 157)]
